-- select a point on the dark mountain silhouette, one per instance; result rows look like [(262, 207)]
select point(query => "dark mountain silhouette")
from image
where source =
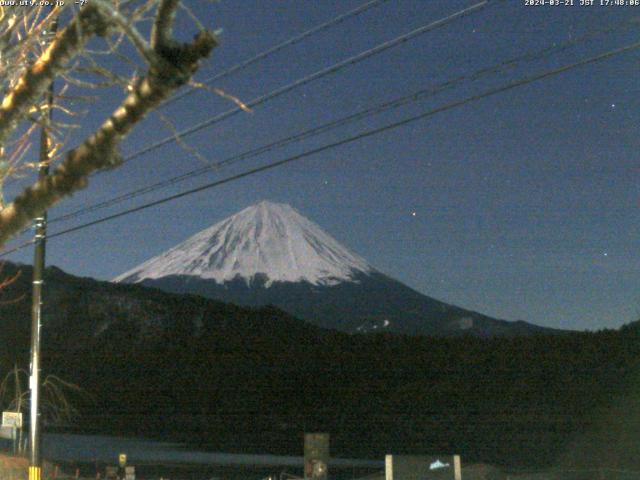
[(269, 254), (186, 368)]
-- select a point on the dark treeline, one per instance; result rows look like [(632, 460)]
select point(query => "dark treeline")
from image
[(236, 379)]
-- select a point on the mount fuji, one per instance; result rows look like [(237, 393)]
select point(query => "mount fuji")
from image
[(269, 254)]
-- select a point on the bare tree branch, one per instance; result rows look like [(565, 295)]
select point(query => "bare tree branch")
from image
[(35, 81), (171, 66), (161, 34), (127, 27)]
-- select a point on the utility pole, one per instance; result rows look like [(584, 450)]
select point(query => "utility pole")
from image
[(35, 467)]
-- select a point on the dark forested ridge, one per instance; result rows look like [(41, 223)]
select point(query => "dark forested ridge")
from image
[(369, 302), (239, 379)]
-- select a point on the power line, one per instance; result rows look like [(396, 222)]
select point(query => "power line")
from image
[(360, 136), (317, 75), (276, 48), (368, 112), (16, 248), (382, 47)]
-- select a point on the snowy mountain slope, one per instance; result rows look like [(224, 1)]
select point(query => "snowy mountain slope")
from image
[(269, 240), (269, 254)]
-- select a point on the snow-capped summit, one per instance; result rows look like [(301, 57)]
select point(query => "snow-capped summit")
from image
[(270, 240), (269, 254)]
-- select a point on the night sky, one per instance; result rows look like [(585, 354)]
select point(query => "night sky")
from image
[(522, 205)]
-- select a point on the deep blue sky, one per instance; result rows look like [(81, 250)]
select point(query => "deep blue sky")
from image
[(526, 203)]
